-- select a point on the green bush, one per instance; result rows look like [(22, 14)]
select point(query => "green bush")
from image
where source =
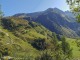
[(39, 44)]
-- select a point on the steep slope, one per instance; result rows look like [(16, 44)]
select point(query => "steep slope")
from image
[(70, 15), (56, 23)]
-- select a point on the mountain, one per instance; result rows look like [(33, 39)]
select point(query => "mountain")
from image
[(56, 20)]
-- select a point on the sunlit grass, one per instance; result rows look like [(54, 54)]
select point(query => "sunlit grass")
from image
[(73, 44)]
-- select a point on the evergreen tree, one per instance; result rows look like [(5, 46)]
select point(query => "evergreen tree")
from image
[(55, 41)]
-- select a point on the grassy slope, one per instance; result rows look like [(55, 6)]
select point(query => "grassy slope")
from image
[(24, 48)]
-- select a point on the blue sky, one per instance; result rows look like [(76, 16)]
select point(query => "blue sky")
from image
[(11, 7)]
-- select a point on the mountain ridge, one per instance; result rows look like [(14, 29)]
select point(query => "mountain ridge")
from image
[(54, 19)]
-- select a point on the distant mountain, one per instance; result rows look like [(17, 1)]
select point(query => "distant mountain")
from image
[(56, 20)]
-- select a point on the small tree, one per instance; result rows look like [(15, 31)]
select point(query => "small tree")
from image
[(56, 48), (55, 41), (1, 13)]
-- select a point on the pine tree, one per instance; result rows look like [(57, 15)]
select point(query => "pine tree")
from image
[(55, 41)]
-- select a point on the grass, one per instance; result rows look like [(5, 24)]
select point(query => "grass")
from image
[(25, 46)]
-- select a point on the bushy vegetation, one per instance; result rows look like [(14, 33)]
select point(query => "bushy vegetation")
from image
[(39, 44), (20, 37), (29, 40), (26, 40)]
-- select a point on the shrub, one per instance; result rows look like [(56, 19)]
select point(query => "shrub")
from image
[(39, 44)]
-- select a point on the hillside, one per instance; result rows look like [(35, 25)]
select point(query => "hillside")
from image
[(62, 23), (39, 29), (18, 36)]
